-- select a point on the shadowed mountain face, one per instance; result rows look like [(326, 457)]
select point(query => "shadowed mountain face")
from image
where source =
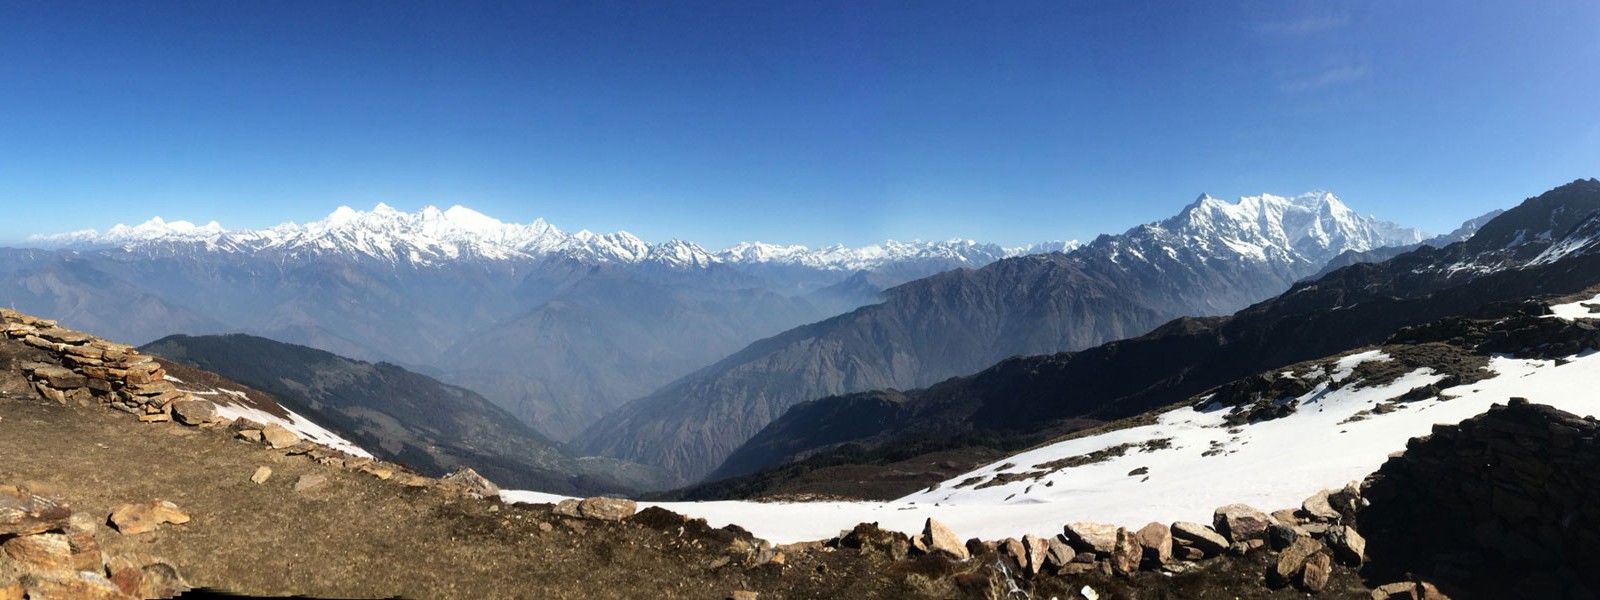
[(402, 416), (1547, 245), (1213, 258)]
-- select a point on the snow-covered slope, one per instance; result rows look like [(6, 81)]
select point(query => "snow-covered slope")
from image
[(432, 236), (1191, 460)]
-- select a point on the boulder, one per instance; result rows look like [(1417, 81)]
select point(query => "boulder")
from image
[(61, 378), (1200, 537), (938, 539), (1239, 522), (606, 509), (1093, 537), (567, 508), (1348, 545), (1314, 575), (23, 513), (194, 412), (1156, 539), (1126, 553)]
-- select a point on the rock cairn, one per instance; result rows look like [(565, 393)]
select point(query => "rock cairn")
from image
[(92, 370)]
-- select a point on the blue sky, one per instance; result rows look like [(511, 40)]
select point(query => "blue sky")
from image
[(799, 122)]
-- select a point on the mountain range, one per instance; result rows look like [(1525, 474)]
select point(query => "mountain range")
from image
[(1547, 246), (1214, 257), (558, 328)]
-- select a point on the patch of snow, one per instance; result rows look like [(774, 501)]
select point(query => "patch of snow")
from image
[(1573, 311)]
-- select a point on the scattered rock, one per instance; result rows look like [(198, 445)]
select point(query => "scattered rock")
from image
[(261, 475), (1280, 536), (194, 412), (567, 508), (1060, 554), (1010, 548), (307, 483), (1200, 537), (1038, 553), (133, 519), (277, 437), (1157, 542), (160, 580), (473, 483), (743, 595), (1126, 553), (938, 539), (1314, 575), (1317, 506), (1097, 537), (1239, 522), (1348, 545), (1292, 559), (606, 509)]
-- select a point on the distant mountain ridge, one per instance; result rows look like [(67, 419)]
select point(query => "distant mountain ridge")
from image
[(431, 236), (1213, 257), (1548, 245)]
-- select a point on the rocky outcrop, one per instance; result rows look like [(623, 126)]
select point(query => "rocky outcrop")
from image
[(92, 370), (1501, 504)]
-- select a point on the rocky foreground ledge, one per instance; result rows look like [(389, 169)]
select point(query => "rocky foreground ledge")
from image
[(1502, 505)]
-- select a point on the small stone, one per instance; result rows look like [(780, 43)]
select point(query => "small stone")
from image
[(743, 595), (1395, 591), (377, 470), (1201, 537), (1126, 554), (1316, 572), (154, 418), (307, 483), (1240, 522), (607, 509), (11, 592), (1097, 537), (261, 475), (132, 519), (277, 437), (250, 435), (194, 412), (938, 539), (1012, 549), (1157, 542)]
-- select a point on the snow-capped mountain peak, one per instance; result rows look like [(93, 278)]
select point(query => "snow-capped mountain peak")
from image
[(1314, 227)]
